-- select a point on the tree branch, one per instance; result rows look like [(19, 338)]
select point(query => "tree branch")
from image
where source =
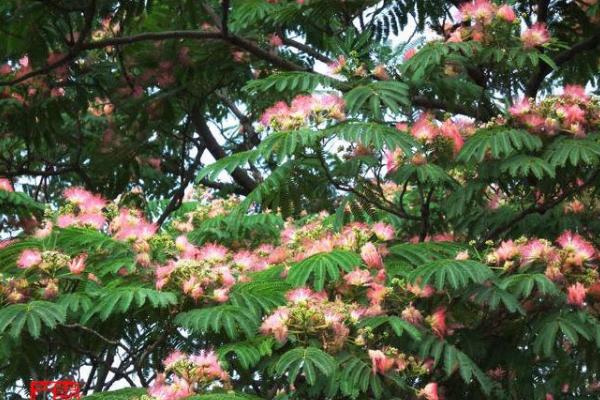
[(239, 175)]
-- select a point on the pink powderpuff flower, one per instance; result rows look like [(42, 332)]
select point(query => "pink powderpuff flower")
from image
[(381, 73), (393, 159), (574, 207), (412, 315), (208, 366), (275, 40), (574, 114), (535, 250), (213, 253), (421, 292), (225, 276), (535, 36), (383, 231), (299, 295), (507, 250), (576, 295), (6, 185), (179, 389), (575, 93), (192, 288), (77, 264), (66, 220), (370, 255), (380, 362), (429, 392), (520, 108), (338, 65), (506, 13), (275, 324), (534, 122), (409, 54), (376, 293), (437, 321), (358, 277), (481, 10), (424, 130), (579, 250), (277, 111), (29, 258), (173, 358), (186, 249), (221, 295), (93, 220), (450, 131)]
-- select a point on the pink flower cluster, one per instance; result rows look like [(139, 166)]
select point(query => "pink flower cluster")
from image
[(479, 19), (564, 263), (186, 375), (83, 209), (447, 134), (304, 110), (573, 113), (48, 265), (205, 273), (310, 315)]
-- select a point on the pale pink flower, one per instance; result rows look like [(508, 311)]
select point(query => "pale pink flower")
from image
[(370, 255), (480, 10), (535, 36), (576, 295), (6, 185), (77, 264), (299, 295), (29, 258), (393, 159), (221, 295), (383, 231), (534, 250), (192, 288), (208, 366), (412, 315), (450, 131), (506, 13), (338, 65), (173, 358), (186, 249), (275, 324), (507, 250), (91, 219), (422, 292), (429, 392), (358, 277), (437, 321), (424, 130), (520, 108), (213, 253), (578, 249), (376, 293), (380, 362), (575, 93)]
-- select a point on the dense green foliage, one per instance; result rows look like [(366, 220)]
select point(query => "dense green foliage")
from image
[(300, 199)]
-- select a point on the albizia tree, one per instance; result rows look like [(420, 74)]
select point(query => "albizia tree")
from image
[(403, 204)]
